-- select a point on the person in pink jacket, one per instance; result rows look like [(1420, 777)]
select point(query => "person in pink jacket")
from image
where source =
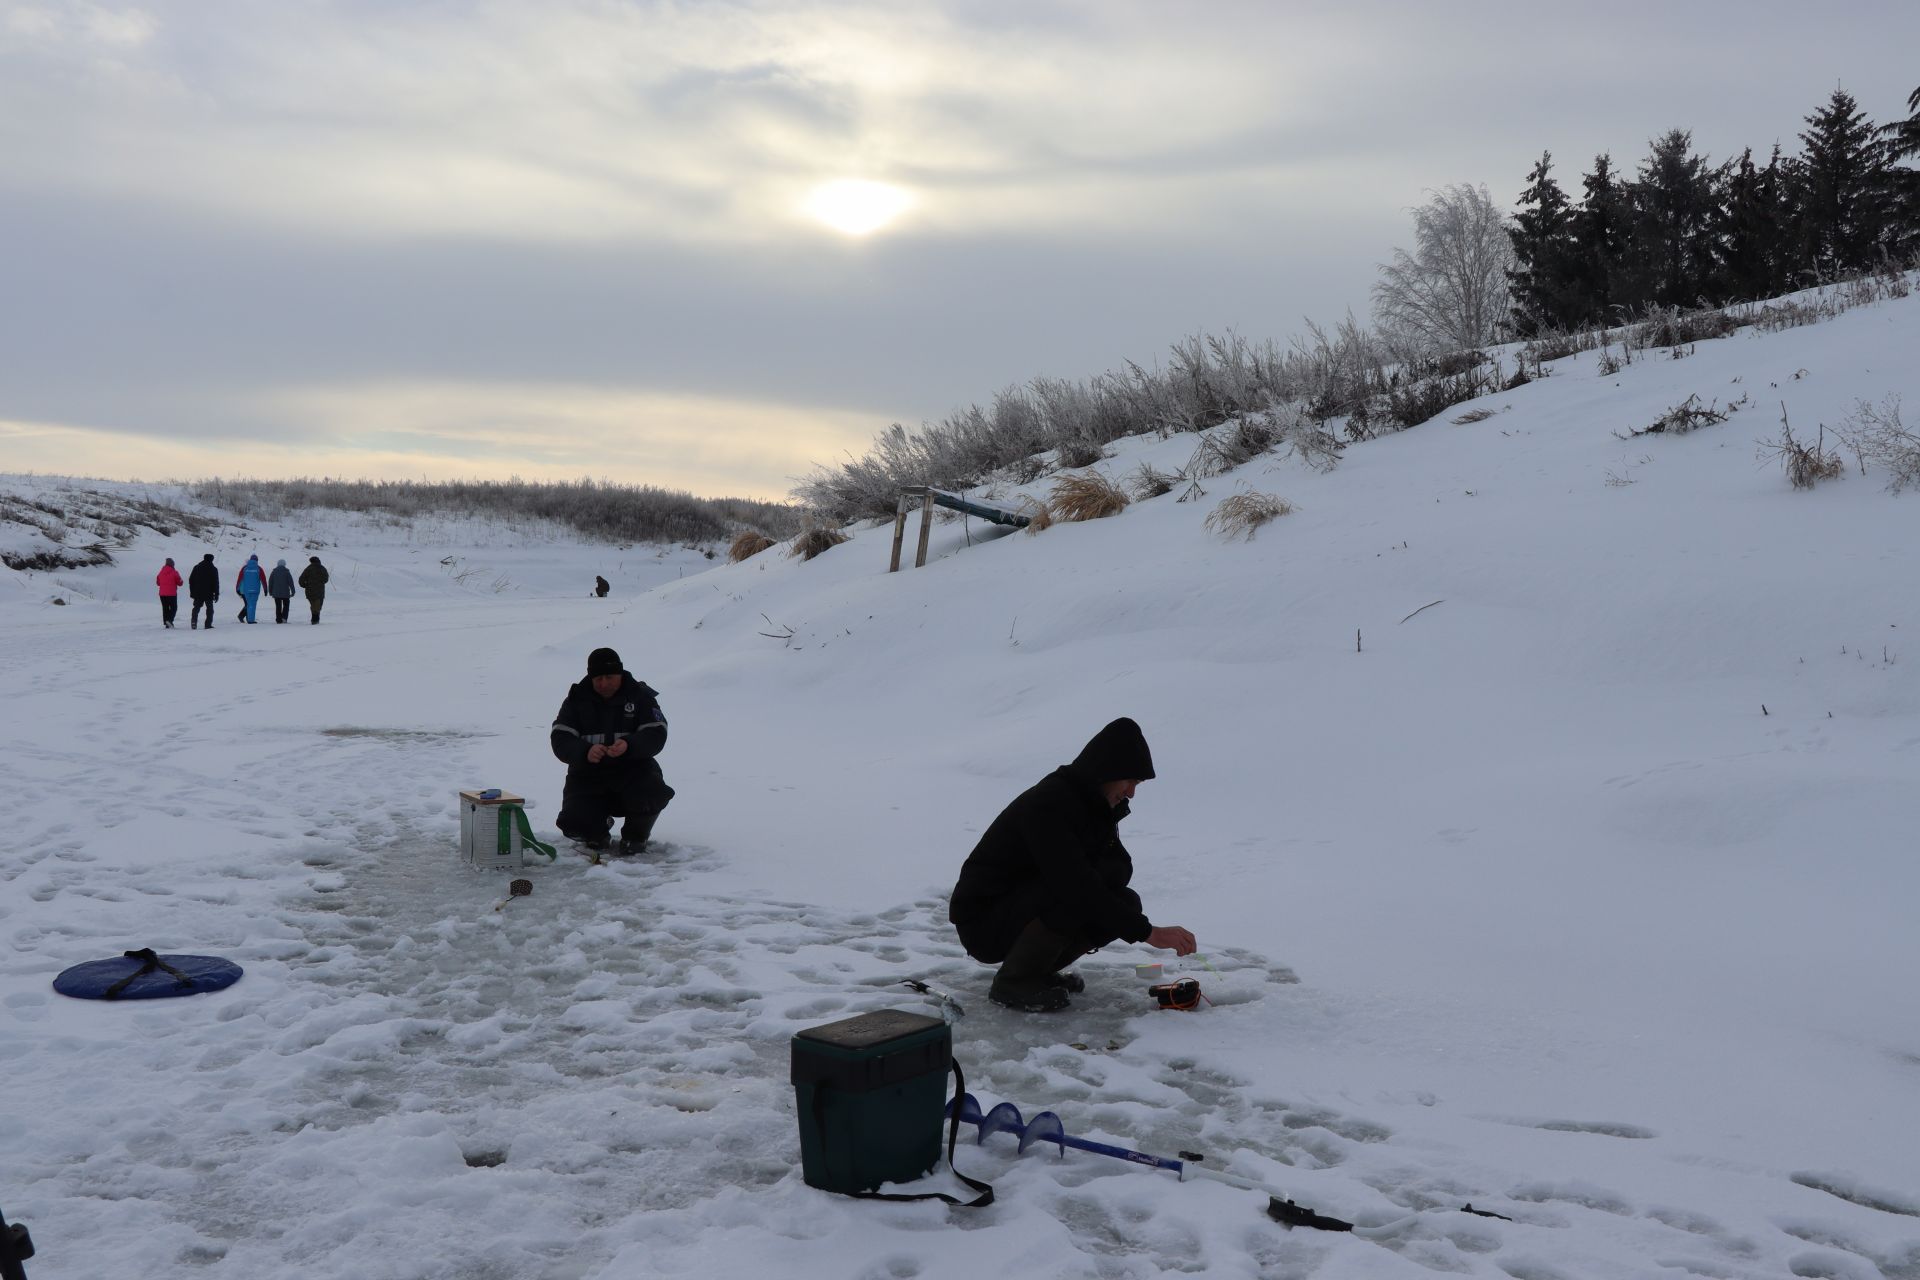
[(168, 580)]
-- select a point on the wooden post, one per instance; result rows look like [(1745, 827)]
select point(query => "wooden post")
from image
[(926, 528), (899, 532)]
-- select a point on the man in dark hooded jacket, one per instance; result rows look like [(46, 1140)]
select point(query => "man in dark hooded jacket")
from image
[(313, 581), (608, 732), (1048, 881), (203, 584)]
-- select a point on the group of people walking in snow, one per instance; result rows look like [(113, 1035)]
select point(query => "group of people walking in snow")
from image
[(253, 581)]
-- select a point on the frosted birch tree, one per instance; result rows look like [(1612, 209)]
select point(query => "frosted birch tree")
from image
[(1451, 292)]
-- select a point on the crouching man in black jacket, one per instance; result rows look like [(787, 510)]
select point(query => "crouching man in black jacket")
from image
[(608, 732), (1048, 880)]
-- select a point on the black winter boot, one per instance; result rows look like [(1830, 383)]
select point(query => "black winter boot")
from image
[(1029, 979), (1027, 995)]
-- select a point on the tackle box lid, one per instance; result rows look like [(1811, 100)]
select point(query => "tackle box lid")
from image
[(869, 1031)]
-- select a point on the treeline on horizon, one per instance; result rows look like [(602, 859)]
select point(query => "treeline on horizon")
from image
[(1684, 232), (598, 509), (1636, 253)]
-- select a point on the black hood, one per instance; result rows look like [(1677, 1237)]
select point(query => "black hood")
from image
[(1117, 751)]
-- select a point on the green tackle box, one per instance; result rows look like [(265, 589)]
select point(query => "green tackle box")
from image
[(871, 1093)]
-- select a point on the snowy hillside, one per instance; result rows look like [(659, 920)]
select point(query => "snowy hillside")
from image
[(1541, 795), (102, 541)]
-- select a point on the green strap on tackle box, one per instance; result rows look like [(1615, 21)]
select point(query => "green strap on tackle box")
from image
[(509, 814)]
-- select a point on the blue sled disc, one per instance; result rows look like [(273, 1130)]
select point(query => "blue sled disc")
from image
[(91, 980)]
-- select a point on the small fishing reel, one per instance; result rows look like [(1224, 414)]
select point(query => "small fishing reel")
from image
[(1182, 993)]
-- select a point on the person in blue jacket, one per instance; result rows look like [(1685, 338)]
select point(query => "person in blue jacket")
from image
[(249, 583), (280, 587)]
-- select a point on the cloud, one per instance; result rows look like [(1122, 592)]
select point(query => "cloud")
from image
[(578, 120), (229, 211), (449, 430)]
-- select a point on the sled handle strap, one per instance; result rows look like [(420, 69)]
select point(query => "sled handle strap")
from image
[(149, 962), (985, 1197), (985, 1190), (511, 813)]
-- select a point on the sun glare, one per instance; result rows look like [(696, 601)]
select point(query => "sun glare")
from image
[(855, 207)]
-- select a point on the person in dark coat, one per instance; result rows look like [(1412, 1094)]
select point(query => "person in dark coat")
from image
[(313, 581), (1048, 881), (168, 580), (601, 586), (280, 587), (608, 732), (203, 585)]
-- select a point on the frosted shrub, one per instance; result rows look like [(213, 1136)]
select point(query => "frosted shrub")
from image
[(1150, 482), (1878, 437), (599, 509)]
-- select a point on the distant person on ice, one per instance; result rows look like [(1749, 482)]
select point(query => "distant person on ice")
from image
[(203, 584), (168, 580), (1048, 881), (280, 587), (608, 732), (249, 582), (600, 585), (313, 581)]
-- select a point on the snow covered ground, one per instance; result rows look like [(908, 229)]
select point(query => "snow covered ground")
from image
[(1521, 900)]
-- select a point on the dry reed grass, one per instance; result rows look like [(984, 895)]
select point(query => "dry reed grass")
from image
[(1241, 515), (1086, 496), (813, 540), (747, 543)]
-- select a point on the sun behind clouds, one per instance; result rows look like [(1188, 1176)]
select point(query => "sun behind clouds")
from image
[(856, 206)]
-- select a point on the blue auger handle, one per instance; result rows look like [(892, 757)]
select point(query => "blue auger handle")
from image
[(1046, 1127)]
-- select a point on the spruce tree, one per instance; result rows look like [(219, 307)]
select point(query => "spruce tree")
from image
[(1751, 231), (1901, 143), (1843, 202), (1600, 236), (1670, 258), (1542, 236)]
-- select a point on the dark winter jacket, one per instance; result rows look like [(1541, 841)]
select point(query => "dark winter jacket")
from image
[(1056, 851), (586, 719), (280, 582), (203, 581), (313, 579)]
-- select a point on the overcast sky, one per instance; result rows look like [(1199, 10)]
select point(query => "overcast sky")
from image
[(558, 238)]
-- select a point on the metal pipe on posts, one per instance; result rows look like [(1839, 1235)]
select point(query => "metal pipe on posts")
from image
[(16, 1246), (1046, 1127)]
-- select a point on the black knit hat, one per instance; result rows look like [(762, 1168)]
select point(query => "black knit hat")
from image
[(604, 662), (1117, 752)]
